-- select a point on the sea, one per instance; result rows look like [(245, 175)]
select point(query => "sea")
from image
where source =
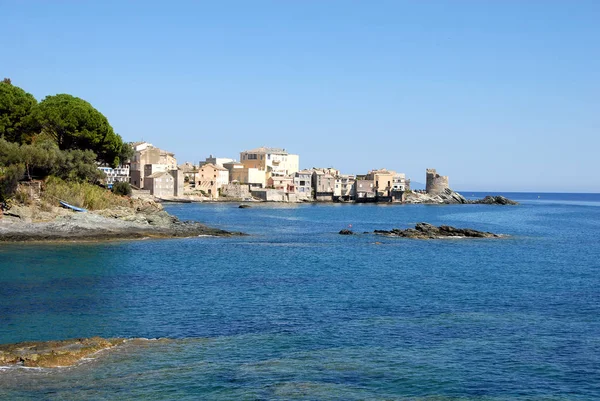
[(295, 311)]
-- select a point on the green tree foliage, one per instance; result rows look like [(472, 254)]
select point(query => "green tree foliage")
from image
[(9, 179), (78, 165), (122, 188), (16, 107), (74, 124), (45, 158)]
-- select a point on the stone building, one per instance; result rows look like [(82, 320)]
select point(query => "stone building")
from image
[(165, 184), (210, 178), (243, 175), (364, 191), (323, 184), (383, 182), (435, 184), (285, 184), (302, 183), (145, 153)]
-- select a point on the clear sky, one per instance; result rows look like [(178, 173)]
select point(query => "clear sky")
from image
[(499, 95)]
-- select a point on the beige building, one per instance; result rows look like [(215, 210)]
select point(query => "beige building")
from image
[(271, 161), (210, 178), (344, 187), (145, 153), (244, 175), (165, 184), (285, 184), (383, 181)]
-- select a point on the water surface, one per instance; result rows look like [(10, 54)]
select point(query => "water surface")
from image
[(296, 311)]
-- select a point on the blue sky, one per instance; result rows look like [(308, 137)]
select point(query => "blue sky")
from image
[(499, 95)]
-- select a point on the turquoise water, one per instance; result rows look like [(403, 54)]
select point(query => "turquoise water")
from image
[(296, 311)]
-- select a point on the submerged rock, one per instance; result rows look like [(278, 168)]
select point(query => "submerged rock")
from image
[(429, 231), (50, 354), (244, 206)]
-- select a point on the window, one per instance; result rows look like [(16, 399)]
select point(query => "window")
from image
[(252, 157)]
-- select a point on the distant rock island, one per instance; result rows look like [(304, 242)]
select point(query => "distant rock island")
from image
[(429, 231)]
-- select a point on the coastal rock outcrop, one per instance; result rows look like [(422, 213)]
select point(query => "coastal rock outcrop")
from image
[(495, 200), (429, 231), (346, 232), (447, 196), (49, 354), (144, 219)]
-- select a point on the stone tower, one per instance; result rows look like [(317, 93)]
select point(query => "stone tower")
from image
[(435, 183)]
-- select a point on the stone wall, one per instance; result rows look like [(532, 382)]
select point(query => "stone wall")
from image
[(435, 183), (240, 191), (269, 195)]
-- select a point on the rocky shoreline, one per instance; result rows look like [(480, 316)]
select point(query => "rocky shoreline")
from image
[(449, 197), (145, 219)]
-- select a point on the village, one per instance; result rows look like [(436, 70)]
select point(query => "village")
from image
[(261, 174)]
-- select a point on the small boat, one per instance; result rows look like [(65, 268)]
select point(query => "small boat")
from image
[(75, 208)]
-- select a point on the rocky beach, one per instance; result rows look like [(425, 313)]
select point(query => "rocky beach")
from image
[(144, 219)]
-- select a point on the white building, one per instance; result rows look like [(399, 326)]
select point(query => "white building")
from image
[(217, 161), (399, 182), (119, 174), (273, 161)]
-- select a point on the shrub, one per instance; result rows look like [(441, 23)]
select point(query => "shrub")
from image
[(9, 180), (81, 194), (121, 188)]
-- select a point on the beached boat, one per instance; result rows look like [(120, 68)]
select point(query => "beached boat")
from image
[(75, 208)]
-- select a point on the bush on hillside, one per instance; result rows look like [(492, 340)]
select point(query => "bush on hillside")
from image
[(9, 180), (121, 188), (81, 194)]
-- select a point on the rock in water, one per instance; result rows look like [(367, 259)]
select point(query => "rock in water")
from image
[(429, 231), (49, 354), (346, 232), (495, 200)]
